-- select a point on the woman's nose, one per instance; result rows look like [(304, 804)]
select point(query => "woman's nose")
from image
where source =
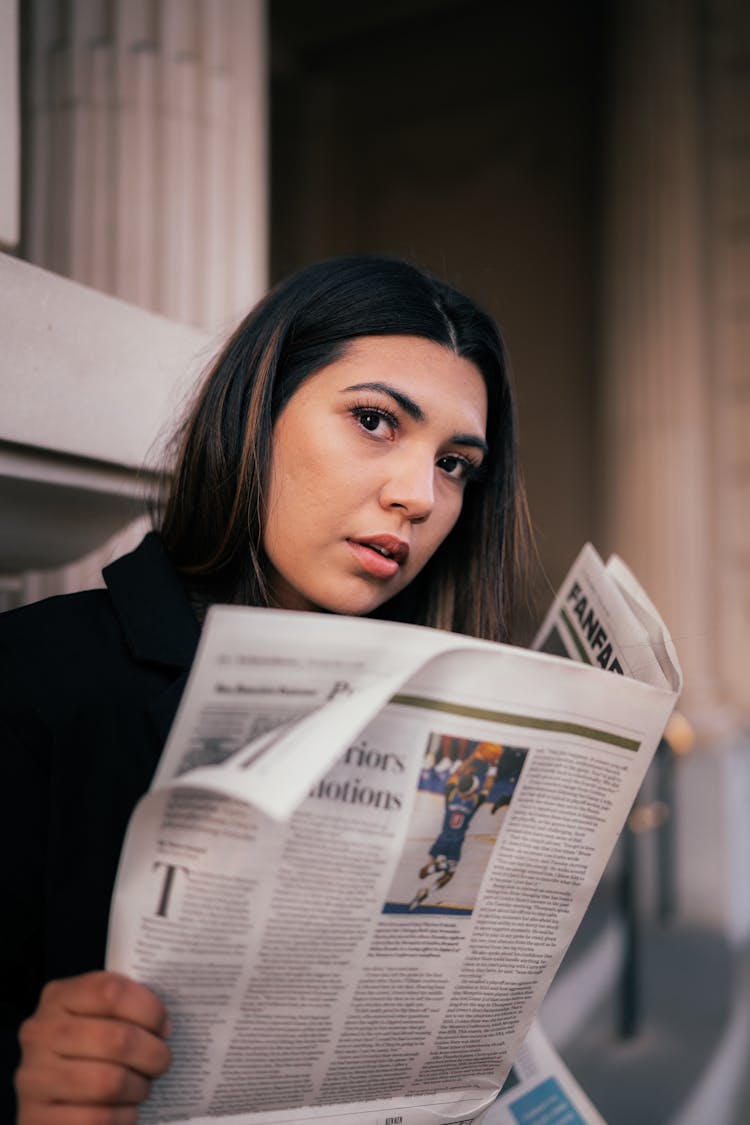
[(411, 487)]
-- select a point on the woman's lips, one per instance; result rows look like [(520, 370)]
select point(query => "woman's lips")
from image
[(380, 555)]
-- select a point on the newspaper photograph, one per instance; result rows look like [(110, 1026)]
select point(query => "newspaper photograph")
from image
[(367, 848)]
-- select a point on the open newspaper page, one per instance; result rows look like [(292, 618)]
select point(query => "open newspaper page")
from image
[(364, 855)]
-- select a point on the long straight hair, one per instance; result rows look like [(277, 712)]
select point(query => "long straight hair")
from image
[(212, 514)]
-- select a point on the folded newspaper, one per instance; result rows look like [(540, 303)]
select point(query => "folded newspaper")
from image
[(368, 846)]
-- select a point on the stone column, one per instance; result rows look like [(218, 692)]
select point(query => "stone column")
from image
[(676, 398), (146, 142), (147, 151), (728, 163), (656, 393)]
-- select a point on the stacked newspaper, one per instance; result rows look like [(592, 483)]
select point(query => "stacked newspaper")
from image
[(368, 846)]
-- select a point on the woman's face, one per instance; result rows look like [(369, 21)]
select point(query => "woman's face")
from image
[(370, 460)]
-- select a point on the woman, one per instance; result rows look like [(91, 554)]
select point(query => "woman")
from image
[(352, 450)]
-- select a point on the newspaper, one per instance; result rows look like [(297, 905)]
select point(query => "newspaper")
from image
[(368, 846), (603, 617)]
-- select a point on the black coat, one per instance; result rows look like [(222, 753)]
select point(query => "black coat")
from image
[(89, 685)]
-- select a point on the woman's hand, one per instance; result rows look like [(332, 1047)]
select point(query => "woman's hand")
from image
[(90, 1052)]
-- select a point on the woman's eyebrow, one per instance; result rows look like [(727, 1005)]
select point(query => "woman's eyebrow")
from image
[(408, 405), (472, 440), (415, 411)]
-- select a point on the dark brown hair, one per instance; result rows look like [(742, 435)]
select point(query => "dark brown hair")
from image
[(213, 511)]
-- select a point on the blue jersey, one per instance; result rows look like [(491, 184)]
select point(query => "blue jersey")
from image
[(459, 809)]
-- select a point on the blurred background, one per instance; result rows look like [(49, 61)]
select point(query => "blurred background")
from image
[(583, 169)]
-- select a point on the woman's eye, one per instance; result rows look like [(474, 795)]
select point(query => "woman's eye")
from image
[(375, 420), (458, 467), (370, 420)]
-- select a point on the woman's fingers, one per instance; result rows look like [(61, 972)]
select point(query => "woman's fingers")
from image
[(93, 1045), (112, 1040), (102, 1016), (116, 1020), (107, 994), (78, 1115), (49, 1076)]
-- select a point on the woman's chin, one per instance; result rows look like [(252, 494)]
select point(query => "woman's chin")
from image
[(349, 603), (351, 607), (351, 595)]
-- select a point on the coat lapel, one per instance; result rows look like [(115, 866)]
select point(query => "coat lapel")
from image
[(157, 620)]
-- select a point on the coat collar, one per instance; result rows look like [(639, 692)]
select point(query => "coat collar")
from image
[(152, 606)]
